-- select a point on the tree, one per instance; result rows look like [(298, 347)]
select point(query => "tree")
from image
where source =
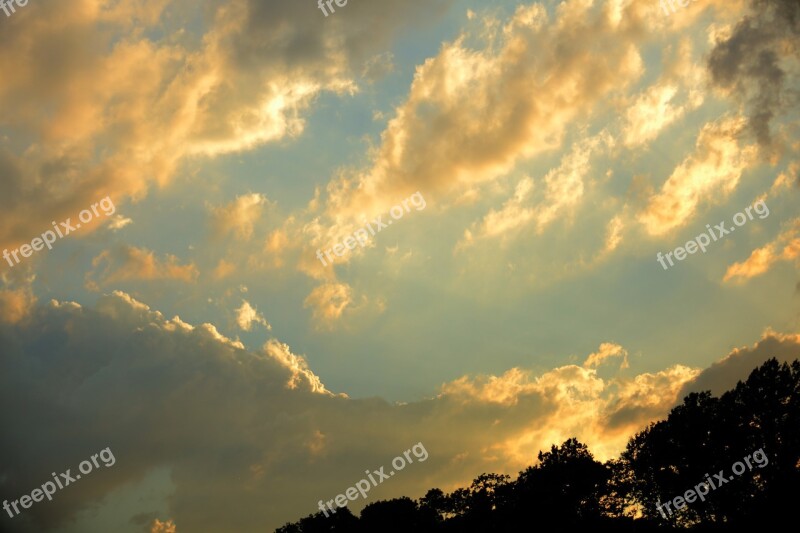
[(398, 515), (566, 487), (341, 521), (705, 436)]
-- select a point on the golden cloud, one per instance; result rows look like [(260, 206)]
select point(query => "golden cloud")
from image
[(16, 304), (128, 263), (247, 315), (707, 176), (607, 351), (328, 302), (785, 247), (239, 216)]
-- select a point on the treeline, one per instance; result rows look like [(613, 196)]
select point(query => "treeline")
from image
[(568, 487)]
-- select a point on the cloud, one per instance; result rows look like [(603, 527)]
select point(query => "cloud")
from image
[(224, 269), (563, 190), (247, 315), (277, 242), (754, 64), (499, 94), (785, 247), (707, 176), (328, 302), (659, 106), (163, 527), (128, 263), (119, 222), (378, 67), (650, 114), (16, 304), (112, 98), (565, 184), (491, 102), (607, 351), (786, 180), (647, 396), (555, 74), (301, 374), (110, 370), (570, 401), (723, 375), (504, 390), (239, 216), (613, 235), (512, 215), (17, 299)]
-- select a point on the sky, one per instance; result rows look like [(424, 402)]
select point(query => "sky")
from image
[(285, 245)]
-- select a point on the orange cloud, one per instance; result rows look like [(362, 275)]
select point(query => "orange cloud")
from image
[(680, 90), (328, 302), (709, 175), (163, 527), (572, 401), (607, 351), (786, 247), (454, 131), (128, 263), (239, 216), (247, 315), (16, 304), (139, 93)]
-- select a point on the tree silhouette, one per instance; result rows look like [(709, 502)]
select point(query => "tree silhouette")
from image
[(399, 515), (564, 488), (342, 521), (706, 435)]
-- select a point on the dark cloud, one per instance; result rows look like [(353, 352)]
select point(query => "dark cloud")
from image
[(724, 374), (143, 519), (252, 439), (297, 34), (10, 180), (751, 63), (157, 393)]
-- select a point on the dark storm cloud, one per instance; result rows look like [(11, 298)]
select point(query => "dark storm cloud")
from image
[(724, 374), (749, 63), (252, 438)]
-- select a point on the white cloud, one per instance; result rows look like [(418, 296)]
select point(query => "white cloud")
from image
[(247, 315)]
